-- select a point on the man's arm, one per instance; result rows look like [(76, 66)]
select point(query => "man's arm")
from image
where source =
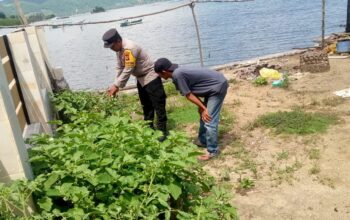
[(123, 72), (202, 109)]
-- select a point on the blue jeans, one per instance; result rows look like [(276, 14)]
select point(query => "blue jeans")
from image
[(208, 132)]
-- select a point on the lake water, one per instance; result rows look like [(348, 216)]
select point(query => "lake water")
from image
[(229, 32)]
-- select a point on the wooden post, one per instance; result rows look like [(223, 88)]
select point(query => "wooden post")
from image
[(347, 29), (198, 35), (20, 13), (323, 21)]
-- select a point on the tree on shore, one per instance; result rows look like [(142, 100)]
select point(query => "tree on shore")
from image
[(348, 19), (2, 15), (98, 9)]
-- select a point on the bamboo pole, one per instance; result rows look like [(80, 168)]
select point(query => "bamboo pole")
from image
[(198, 35), (323, 22), (347, 29), (20, 13)]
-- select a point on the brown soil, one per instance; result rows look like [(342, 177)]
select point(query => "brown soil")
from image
[(295, 177)]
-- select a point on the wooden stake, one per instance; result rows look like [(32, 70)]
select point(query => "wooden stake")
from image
[(20, 13), (198, 35)]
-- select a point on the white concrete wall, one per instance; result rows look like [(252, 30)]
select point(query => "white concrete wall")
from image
[(28, 72), (13, 154)]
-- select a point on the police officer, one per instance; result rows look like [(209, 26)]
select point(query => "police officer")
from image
[(133, 60)]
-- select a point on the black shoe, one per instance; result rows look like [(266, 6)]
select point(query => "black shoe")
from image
[(163, 137)]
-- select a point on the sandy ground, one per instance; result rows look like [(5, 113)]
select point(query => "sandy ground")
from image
[(294, 177)]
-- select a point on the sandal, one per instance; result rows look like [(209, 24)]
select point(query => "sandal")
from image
[(207, 156)]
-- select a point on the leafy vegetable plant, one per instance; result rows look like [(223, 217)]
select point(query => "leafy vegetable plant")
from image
[(103, 165)]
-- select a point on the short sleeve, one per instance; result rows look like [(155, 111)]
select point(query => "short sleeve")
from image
[(182, 84)]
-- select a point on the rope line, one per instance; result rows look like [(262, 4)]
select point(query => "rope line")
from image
[(131, 17), (221, 1), (103, 22)]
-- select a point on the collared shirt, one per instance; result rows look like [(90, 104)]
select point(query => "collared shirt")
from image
[(133, 60)]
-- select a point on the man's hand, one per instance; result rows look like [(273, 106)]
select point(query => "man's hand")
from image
[(112, 90), (204, 115)]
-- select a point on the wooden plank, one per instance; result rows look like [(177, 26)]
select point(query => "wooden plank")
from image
[(14, 93), (8, 70), (3, 52), (21, 117)]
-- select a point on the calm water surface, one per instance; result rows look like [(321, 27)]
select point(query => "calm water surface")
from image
[(229, 32)]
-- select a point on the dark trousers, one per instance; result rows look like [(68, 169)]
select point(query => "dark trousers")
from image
[(153, 99)]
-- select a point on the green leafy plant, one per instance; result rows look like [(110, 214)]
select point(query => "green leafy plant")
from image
[(246, 184), (103, 165), (260, 81), (70, 105)]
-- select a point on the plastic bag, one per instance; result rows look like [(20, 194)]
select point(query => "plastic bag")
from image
[(270, 73)]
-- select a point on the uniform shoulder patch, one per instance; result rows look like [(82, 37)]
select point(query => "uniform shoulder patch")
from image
[(130, 60)]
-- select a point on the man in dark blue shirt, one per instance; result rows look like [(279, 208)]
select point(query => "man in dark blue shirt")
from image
[(195, 82)]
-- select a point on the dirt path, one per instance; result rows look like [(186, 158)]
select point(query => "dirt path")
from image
[(288, 176)]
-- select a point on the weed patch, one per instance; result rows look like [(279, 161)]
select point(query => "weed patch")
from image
[(333, 101), (260, 81), (283, 155), (296, 122), (283, 172), (246, 183), (314, 154), (315, 169), (226, 122)]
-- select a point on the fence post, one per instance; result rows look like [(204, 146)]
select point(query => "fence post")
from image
[(323, 21), (197, 31)]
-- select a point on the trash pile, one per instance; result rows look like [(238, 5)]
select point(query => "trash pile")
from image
[(345, 93), (276, 78), (252, 71), (338, 44)]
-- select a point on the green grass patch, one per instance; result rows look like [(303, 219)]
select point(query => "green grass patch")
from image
[(170, 89), (181, 112), (9, 22), (296, 122)]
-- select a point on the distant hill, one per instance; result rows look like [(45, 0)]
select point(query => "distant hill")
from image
[(66, 7)]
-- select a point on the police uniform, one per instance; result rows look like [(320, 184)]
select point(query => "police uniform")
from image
[(133, 60)]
